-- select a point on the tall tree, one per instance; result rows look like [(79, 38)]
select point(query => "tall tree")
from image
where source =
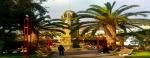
[(13, 12), (6, 20), (104, 17), (12, 16)]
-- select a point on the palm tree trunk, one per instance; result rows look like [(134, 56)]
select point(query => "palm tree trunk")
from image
[(110, 32), (34, 39)]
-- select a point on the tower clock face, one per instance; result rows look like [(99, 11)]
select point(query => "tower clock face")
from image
[(66, 21)]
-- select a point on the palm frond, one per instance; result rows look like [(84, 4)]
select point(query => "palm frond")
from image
[(41, 18), (109, 6), (141, 21), (112, 6), (128, 26), (123, 27), (52, 20), (97, 7), (135, 26), (126, 8), (87, 22), (55, 26), (95, 30), (47, 16), (85, 16), (94, 10), (88, 12), (143, 12), (134, 14), (87, 29), (54, 30), (115, 13), (40, 8)]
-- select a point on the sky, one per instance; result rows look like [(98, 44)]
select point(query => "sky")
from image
[(58, 7)]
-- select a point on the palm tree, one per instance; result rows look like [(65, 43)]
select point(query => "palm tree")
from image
[(40, 24), (109, 20), (6, 20), (35, 27), (18, 11), (21, 8), (13, 12), (13, 16), (36, 13)]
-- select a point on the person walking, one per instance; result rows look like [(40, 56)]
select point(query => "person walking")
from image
[(105, 49), (61, 50)]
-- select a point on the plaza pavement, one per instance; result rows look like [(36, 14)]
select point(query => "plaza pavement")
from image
[(87, 54)]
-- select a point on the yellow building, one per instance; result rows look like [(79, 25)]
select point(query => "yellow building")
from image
[(68, 17)]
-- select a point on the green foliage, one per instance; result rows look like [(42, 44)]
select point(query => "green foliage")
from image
[(54, 25), (141, 54), (12, 16), (103, 15)]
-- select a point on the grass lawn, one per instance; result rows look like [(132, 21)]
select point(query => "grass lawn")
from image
[(141, 54), (15, 55)]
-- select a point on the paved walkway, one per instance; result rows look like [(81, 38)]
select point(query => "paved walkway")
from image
[(86, 54)]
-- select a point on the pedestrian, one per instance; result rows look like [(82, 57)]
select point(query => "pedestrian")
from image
[(105, 49), (61, 50)]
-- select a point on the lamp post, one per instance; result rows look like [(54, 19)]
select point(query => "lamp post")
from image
[(27, 30)]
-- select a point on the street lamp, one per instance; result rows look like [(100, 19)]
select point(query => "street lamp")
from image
[(27, 40), (26, 32)]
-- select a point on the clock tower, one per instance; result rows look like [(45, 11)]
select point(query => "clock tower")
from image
[(67, 17)]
